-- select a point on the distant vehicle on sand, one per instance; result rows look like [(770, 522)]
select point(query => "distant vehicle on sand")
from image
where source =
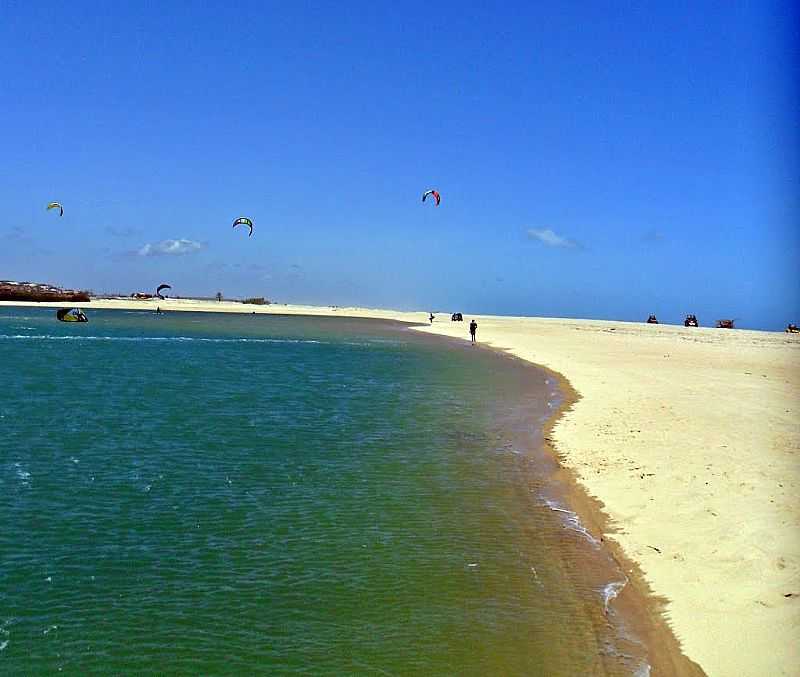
[(652, 319), (456, 317), (725, 324), (792, 329), (690, 321)]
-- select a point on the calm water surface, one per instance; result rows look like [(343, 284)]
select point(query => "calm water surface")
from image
[(228, 494)]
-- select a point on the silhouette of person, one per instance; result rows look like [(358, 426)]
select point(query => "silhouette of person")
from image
[(473, 327)]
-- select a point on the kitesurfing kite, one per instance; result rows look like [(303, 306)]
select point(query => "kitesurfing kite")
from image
[(71, 315), (436, 196), (56, 205), (160, 287), (244, 221)]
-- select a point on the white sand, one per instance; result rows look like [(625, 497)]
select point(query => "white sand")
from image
[(691, 440)]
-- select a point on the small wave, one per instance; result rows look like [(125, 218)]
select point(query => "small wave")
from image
[(610, 591), (22, 474), (4, 631), (187, 339), (572, 521), (136, 339), (372, 343)]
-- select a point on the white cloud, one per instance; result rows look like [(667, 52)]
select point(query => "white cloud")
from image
[(171, 248), (550, 238)]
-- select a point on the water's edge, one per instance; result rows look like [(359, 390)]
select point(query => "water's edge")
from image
[(630, 600)]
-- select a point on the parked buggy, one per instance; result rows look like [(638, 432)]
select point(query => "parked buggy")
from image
[(652, 320), (690, 321), (725, 324), (456, 317)]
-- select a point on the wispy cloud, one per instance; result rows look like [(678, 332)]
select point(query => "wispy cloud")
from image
[(123, 232), (295, 272), (653, 236), (171, 248), (17, 233), (551, 238), (18, 238)]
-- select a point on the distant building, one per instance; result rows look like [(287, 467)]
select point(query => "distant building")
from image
[(33, 291)]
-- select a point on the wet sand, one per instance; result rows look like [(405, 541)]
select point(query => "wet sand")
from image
[(685, 444)]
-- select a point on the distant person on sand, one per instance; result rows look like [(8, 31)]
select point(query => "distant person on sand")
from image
[(473, 327), (431, 318), (158, 310)]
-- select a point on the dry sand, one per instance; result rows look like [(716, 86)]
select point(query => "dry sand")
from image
[(690, 439)]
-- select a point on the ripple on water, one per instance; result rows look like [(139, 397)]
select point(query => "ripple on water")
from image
[(288, 496)]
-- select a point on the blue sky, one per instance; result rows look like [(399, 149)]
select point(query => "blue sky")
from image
[(594, 160)]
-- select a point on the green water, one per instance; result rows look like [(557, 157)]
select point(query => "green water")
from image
[(218, 494)]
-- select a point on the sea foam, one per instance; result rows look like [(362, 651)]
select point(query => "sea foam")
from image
[(572, 521)]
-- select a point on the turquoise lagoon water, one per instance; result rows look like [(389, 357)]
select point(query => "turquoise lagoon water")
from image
[(236, 494)]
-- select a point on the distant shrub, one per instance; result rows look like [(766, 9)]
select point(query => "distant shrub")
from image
[(257, 301)]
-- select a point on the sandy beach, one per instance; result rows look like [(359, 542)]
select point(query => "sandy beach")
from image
[(688, 441)]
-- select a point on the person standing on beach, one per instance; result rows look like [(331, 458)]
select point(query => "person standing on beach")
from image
[(431, 318), (473, 327)]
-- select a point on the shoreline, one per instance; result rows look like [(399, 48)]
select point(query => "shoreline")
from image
[(634, 599), (640, 637), (751, 627), (710, 414)]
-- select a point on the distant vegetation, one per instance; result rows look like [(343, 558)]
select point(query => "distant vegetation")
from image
[(257, 301)]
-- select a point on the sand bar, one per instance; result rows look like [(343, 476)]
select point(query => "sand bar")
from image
[(690, 439)]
